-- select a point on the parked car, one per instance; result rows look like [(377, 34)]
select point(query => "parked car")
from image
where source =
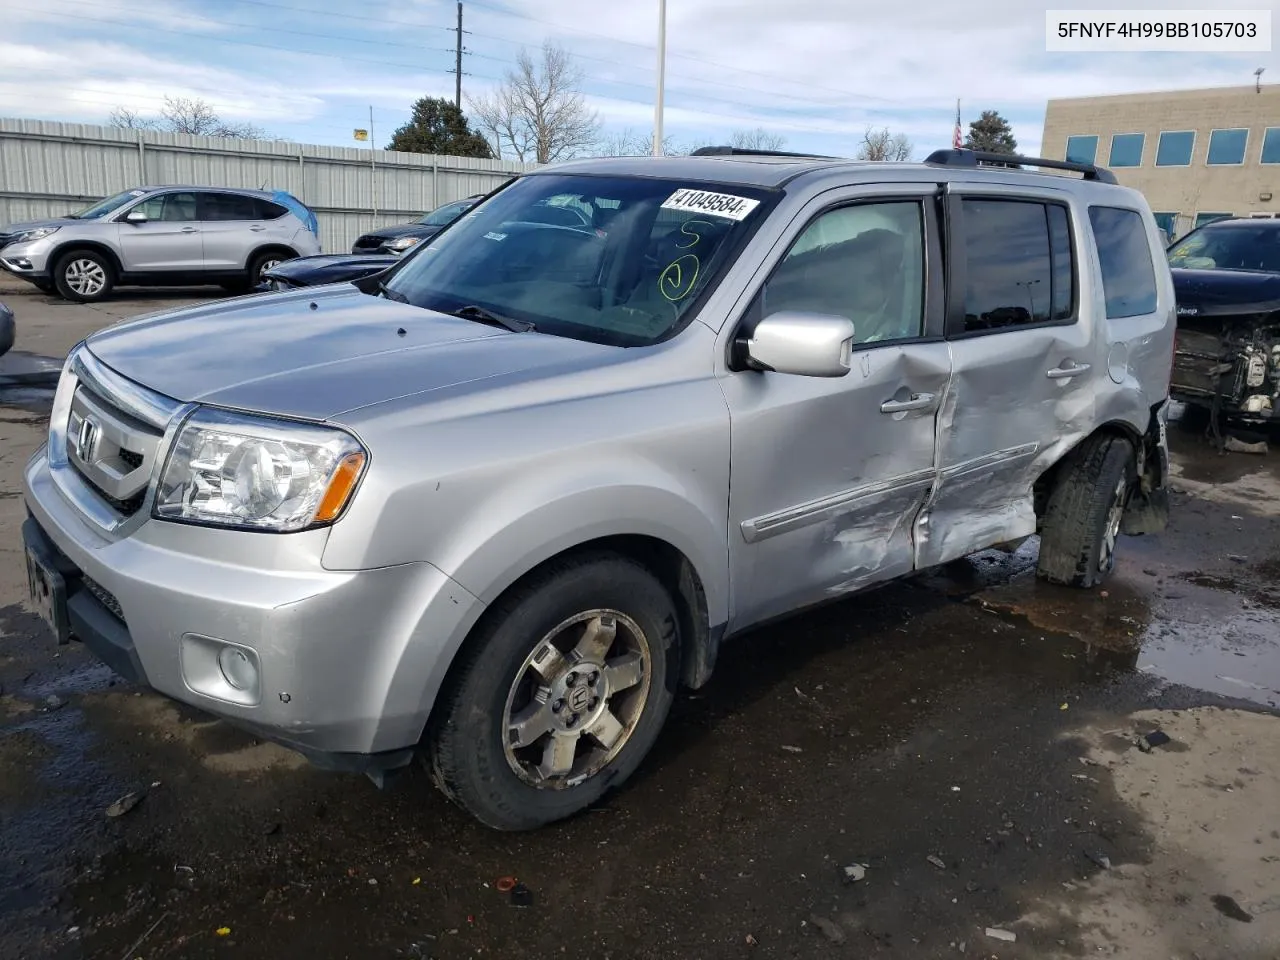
[(161, 236), (498, 504), (8, 329), (325, 268), (1227, 278), (396, 240)]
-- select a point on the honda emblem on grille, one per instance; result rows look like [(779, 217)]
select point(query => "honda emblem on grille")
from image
[(87, 440)]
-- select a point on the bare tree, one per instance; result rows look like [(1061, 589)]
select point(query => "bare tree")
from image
[(186, 115), (126, 119), (757, 139), (632, 143), (539, 112), (883, 145), (194, 116)]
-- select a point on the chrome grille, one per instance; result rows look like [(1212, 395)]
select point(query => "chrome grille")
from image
[(112, 451), (105, 436)]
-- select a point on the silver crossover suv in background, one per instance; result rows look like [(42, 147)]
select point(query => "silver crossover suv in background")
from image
[(495, 506), (161, 236)]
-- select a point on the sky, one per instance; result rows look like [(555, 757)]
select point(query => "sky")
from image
[(817, 72)]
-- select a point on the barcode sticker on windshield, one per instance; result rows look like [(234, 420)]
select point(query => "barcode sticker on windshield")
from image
[(713, 204)]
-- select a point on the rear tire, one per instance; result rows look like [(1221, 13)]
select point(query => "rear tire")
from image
[(1084, 512), (263, 262), (84, 276), (524, 735)]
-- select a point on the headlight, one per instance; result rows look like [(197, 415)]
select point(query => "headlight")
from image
[(39, 233), (231, 470), (401, 244)]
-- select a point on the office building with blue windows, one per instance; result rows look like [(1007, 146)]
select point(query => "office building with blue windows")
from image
[(1197, 155)]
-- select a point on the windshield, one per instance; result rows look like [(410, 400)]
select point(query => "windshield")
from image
[(1236, 247), (446, 214), (109, 205), (611, 259)]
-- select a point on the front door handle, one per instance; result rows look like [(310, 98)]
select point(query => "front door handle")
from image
[(918, 401), (1062, 373), (190, 230)]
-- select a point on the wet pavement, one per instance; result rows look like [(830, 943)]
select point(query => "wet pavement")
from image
[(957, 735)]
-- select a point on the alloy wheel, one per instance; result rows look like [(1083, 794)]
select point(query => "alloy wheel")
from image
[(576, 699)]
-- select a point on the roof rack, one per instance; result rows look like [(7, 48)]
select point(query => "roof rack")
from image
[(971, 158), (744, 152)]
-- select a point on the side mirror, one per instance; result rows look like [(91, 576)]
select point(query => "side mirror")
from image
[(135, 216), (804, 344)]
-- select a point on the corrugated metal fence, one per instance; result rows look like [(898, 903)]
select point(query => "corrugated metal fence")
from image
[(48, 169)]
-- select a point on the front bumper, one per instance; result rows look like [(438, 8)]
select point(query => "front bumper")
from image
[(30, 261), (344, 657)]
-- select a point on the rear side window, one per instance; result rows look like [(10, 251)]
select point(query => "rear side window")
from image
[(1124, 253), (228, 206), (268, 210), (1020, 267)]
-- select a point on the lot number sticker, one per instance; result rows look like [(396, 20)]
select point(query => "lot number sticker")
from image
[(713, 204)]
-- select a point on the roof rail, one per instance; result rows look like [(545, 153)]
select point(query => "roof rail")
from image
[(744, 152), (971, 158)]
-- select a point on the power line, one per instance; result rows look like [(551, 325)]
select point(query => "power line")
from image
[(581, 56), (794, 124)]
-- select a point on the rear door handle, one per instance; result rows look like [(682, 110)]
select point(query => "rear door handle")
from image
[(1062, 373), (257, 229), (918, 401), (190, 230)]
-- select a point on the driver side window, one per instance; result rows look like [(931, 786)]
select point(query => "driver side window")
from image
[(864, 262), (173, 207)]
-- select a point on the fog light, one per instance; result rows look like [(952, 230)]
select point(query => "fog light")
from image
[(237, 668)]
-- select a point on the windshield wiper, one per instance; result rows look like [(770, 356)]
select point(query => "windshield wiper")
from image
[(481, 315), (390, 294)]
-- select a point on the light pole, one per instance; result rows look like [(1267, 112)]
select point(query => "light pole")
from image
[(662, 70)]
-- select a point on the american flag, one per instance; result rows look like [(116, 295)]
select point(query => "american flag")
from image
[(957, 139)]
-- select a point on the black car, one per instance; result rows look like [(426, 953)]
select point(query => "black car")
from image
[(396, 240), (1226, 277), (325, 268)]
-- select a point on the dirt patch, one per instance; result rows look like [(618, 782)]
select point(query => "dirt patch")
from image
[(220, 747), (21, 753), (1211, 887)]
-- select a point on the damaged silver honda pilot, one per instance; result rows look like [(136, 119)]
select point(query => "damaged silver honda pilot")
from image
[(495, 507)]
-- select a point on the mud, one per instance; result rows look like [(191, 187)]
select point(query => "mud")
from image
[(972, 715)]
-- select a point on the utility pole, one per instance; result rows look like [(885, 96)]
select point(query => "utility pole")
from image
[(662, 69), (373, 167), (457, 97)]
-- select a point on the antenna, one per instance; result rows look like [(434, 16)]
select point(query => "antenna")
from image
[(1257, 79)]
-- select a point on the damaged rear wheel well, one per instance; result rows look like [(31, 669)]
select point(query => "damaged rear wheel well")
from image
[(1145, 509)]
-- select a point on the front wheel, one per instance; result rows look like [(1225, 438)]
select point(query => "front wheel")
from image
[(1084, 513), (84, 276), (562, 693)]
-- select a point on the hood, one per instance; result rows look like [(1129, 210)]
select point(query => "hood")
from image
[(1209, 293), (317, 353), (361, 264), (10, 229), (403, 230)]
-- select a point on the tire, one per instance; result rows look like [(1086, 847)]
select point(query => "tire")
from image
[(260, 262), (84, 276), (563, 607), (1084, 511)]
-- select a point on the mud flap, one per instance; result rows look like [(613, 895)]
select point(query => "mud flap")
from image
[(1147, 512)]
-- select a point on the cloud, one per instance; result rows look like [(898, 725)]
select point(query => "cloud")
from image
[(819, 71), (81, 77)]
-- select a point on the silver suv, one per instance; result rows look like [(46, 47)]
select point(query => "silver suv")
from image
[(161, 236), (497, 506)]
